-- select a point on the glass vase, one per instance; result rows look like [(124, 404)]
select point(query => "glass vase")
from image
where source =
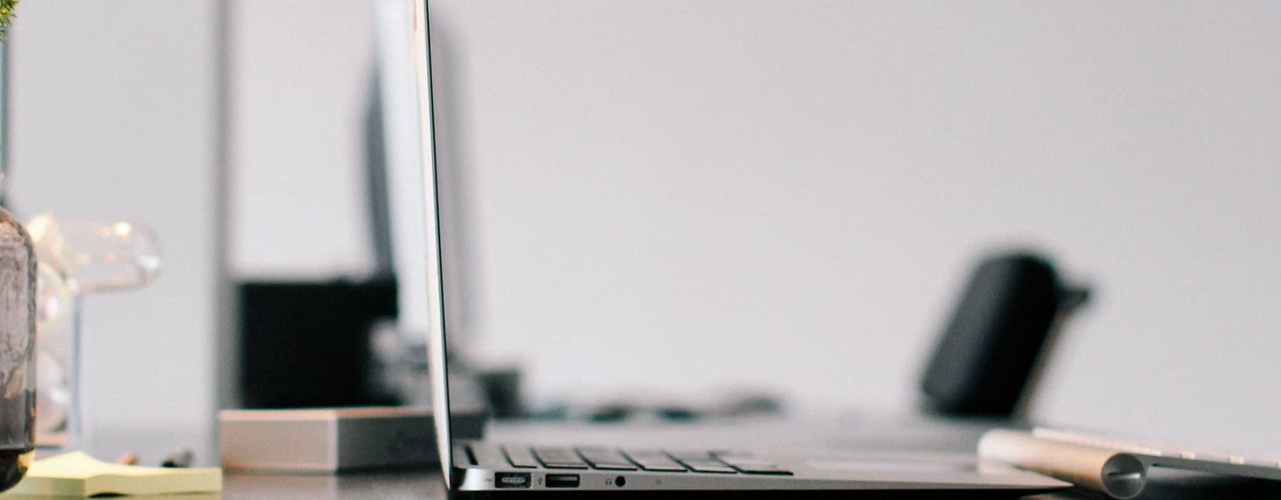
[(78, 257)]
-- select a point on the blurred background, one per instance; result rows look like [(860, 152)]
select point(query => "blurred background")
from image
[(694, 198)]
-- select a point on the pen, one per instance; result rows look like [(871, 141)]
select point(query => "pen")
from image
[(1118, 474)]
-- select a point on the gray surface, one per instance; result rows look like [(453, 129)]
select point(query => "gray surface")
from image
[(853, 433), (428, 485), (424, 484), (417, 485)]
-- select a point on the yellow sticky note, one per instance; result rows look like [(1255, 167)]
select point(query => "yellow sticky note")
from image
[(79, 475)]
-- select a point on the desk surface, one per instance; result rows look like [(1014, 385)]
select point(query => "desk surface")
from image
[(420, 485), (392, 485), (864, 434)]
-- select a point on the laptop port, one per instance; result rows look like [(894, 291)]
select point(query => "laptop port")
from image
[(511, 479), (562, 480)]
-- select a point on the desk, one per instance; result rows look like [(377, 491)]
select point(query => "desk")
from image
[(383, 486), (428, 485), (866, 433)]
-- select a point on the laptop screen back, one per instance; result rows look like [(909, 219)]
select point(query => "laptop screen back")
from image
[(436, 306)]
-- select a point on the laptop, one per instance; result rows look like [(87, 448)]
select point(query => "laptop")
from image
[(482, 466)]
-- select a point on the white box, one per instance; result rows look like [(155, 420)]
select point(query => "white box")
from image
[(327, 440)]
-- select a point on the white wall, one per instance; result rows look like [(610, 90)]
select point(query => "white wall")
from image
[(114, 117), (665, 194), (115, 108), (301, 78)]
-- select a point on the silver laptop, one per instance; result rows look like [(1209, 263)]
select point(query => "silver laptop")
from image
[(483, 466)]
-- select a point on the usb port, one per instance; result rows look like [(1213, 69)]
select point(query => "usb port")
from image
[(562, 480), (511, 479)]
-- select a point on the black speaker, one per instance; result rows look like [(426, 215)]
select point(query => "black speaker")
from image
[(990, 348), (306, 344)]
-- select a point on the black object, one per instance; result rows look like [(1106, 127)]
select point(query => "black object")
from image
[(376, 181), (987, 355), (306, 344)]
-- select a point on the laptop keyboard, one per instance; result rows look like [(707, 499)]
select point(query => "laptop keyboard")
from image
[(586, 458)]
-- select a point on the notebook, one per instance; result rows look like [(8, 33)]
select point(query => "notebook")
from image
[(482, 466)]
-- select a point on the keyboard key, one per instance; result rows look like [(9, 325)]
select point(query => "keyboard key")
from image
[(605, 459), (559, 458), (488, 456), (764, 469), (655, 461), (520, 457), (684, 455), (711, 466), (749, 464), (739, 458)]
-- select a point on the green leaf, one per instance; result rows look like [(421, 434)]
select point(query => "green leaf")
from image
[(6, 16)]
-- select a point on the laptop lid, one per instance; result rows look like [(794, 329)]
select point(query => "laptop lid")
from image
[(436, 348)]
